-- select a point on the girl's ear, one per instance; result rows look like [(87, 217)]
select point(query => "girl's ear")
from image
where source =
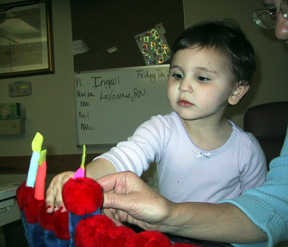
[(239, 91)]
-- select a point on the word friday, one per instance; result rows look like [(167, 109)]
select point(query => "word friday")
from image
[(152, 77)]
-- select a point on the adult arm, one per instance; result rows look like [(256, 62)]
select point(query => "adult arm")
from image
[(136, 203), (267, 205)]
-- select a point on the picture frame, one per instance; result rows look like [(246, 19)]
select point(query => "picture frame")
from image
[(26, 46)]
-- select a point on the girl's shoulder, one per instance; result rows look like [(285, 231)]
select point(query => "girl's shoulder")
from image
[(167, 120), (244, 136), (165, 125)]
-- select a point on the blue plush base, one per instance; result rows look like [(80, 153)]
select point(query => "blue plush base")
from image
[(38, 237), (25, 226), (50, 238), (34, 233), (63, 243), (73, 221)]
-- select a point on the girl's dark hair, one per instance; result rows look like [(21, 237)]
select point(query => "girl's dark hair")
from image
[(226, 37)]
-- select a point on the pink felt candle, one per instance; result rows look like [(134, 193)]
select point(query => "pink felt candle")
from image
[(80, 173), (40, 181)]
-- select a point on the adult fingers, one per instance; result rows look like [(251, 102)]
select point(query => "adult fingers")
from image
[(110, 182), (112, 214), (117, 201)]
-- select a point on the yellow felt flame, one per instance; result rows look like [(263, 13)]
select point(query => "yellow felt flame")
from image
[(83, 157), (37, 142), (42, 157)]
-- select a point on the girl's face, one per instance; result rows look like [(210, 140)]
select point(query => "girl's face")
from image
[(281, 29), (200, 83)]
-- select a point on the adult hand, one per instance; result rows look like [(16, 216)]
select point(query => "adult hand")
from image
[(130, 199), (54, 199)]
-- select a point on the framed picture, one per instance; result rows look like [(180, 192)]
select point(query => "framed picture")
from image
[(25, 38)]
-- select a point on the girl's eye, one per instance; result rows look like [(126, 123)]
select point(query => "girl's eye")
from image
[(202, 79), (178, 76)]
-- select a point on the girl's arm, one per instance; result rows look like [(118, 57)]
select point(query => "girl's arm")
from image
[(99, 168)]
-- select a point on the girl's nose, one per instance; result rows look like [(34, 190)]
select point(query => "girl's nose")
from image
[(281, 29), (185, 86)]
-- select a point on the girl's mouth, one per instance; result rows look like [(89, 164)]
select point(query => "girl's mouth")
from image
[(184, 103)]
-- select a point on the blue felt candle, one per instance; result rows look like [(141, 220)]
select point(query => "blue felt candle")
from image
[(32, 172)]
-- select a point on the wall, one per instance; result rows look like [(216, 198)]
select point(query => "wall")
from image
[(50, 108)]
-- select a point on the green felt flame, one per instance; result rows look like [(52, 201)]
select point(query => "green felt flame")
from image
[(37, 143), (42, 157), (83, 157)]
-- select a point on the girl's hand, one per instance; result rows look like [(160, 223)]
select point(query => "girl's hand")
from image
[(54, 199)]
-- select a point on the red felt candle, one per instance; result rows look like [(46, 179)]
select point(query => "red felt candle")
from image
[(40, 181)]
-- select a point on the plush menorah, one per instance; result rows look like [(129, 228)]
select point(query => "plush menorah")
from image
[(82, 225)]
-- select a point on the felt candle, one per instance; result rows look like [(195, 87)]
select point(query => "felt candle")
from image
[(33, 167), (35, 233), (80, 173), (41, 175)]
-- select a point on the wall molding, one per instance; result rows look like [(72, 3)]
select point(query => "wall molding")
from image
[(55, 163)]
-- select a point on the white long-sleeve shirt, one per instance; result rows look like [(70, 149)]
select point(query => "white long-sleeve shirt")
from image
[(185, 172)]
